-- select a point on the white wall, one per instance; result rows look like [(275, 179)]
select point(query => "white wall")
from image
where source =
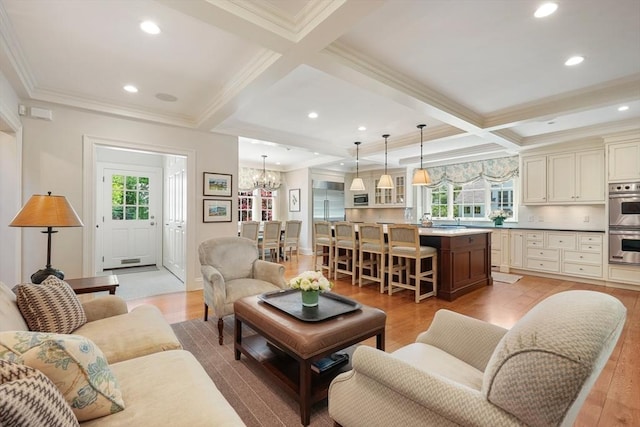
[(299, 179), (53, 161)]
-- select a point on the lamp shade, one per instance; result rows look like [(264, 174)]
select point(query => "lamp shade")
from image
[(385, 182), (421, 177), (357, 185), (47, 211)]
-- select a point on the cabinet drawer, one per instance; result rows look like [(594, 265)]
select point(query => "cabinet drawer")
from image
[(533, 235), (540, 264), (561, 241), (591, 247), (583, 257), (582, 269), (551, 254), (535, 244), (595, 239)]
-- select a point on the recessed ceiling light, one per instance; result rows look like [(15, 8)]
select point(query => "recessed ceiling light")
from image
[(545, 10), (362, 128), (150, 27), (130, 88), (277, 163), (313, 115), (166, 97), (316, 153), (623, 108), (574, 60), (341, 164)]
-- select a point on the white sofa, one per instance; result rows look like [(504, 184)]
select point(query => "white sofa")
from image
[(161, 384)]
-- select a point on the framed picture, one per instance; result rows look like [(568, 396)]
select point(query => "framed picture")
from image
[(217, 184), (216, 210), (294, 200)]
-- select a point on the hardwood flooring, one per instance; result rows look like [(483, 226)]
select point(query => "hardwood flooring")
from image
[(614, 399)]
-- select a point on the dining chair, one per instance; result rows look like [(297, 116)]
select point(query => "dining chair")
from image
[(270, 240), (291, 238), (250, 230)]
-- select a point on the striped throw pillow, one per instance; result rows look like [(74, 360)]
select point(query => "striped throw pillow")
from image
[(29, 398), (51, 306)]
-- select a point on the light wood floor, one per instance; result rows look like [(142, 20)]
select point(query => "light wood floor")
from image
[(615, 398)]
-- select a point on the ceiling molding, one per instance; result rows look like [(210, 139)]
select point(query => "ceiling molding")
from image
[(585, 132), (15, 55), (609, 93), (489, 150)]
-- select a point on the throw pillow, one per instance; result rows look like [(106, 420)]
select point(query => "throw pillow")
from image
[(73, 363), (51, 306), (29, 398)]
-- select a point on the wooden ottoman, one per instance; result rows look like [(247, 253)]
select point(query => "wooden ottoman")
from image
[(285, 346)]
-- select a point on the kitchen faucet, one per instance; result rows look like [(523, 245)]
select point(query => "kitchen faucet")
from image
[(457, 221)]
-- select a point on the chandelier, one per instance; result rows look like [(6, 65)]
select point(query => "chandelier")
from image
[(265, 181)]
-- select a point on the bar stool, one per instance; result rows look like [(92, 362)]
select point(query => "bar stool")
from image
[(323, 246), (346, 251), (371, 238), (404, 246), (270, 239)]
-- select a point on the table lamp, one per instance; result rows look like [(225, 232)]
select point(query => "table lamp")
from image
[(47, 211)]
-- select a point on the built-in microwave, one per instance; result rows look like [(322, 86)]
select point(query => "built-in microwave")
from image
[(361, 200)]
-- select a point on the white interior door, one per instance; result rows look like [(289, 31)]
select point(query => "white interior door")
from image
[(130, 203), (175, 210)]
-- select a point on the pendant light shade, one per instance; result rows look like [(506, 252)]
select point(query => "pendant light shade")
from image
[(357, 184), (385, 181), (421, 176)]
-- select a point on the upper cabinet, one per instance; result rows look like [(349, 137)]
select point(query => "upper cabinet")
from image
[(391, 196), (624, 160), (564, 178)]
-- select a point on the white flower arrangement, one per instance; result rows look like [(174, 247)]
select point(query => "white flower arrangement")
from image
[(498, 215), (311, 281)]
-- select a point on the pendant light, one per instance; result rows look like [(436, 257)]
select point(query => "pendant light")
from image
[(357, 184), (385, 181), (421, 176)]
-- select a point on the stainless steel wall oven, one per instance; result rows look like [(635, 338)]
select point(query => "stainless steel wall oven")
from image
[(624, 223)]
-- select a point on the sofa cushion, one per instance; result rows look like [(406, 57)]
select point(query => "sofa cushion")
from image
[(51, 306), (142, 331), (29, 398), (73, 363), (10, 317), (168, 389)]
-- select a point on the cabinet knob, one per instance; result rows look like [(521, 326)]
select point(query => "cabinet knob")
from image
[(540, 253), (581, 257), (580, 269), (560, 241)]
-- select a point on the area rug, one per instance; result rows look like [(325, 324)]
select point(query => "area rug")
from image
[(253, 394), (505, 277)]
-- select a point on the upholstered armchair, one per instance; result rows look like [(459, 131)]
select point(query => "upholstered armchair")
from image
[(231, 270), (463, 371)]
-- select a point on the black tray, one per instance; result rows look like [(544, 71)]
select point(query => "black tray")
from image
[(329, 304)]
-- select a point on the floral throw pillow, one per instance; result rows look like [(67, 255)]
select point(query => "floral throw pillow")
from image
[(73, 363), (29, 398), (51, 306)]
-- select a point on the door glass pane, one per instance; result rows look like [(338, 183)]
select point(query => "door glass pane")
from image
[(130, 212), (143, 212), (117, 212), (143, 198), (132, 197), (132, 183)]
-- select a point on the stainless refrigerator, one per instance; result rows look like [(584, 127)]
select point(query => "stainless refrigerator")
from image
[(328, 201)]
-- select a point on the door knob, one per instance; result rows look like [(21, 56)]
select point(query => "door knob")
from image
[(153, 223)]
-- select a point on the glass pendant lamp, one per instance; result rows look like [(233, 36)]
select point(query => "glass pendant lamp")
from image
[(357, 184), (385, 180), (421, 176)]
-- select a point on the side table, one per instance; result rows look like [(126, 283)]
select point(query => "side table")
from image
[(85, 285)]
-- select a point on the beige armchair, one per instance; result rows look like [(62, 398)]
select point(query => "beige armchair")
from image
[(463, 371), (231, 270)]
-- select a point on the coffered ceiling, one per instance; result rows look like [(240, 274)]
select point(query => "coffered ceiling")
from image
[(486, 76)]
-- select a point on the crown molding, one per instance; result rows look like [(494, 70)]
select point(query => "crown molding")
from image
[(14, 53), (488, 150)]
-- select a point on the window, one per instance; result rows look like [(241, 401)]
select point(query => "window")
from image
[(257, 205), (473, 201), (245, 206), (129, 197)]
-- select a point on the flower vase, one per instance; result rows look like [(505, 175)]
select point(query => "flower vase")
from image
[(310, 298), (498, 222)]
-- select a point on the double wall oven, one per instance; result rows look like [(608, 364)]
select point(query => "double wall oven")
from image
[(624, 223)]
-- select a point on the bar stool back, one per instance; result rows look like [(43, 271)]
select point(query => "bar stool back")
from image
[(371, 239), (346, 251), (404, 246), (323, 247)]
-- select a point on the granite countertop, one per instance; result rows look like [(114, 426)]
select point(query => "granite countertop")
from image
[(514, 226)]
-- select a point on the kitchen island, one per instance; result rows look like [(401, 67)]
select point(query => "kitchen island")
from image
[(464, 259)]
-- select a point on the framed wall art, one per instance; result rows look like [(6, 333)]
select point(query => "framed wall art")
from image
[(217, 184), (294, 200), (216, 210)]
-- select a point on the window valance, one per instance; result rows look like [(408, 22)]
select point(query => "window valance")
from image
[(248, 177), (493, 170)]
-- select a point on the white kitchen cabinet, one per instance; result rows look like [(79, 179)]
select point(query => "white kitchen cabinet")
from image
[(500, 252), (624, 161), (395, 196), (564, 178), (516, 245), (534, 182)]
